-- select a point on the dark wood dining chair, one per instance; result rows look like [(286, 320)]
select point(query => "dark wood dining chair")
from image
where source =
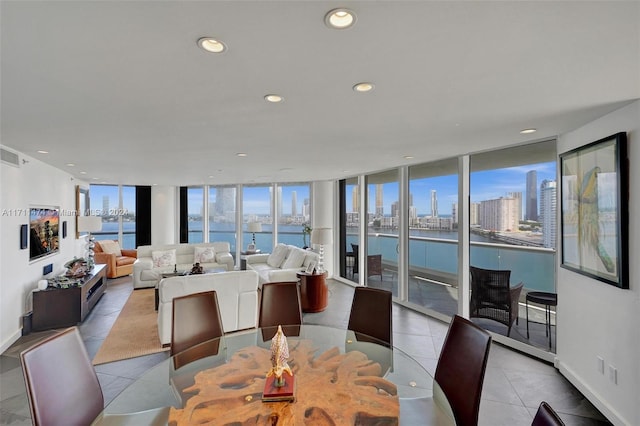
[(371, 313), (280, 305), (63, 388), (546, 416), (492, 296), (460, 372), (195, 319)]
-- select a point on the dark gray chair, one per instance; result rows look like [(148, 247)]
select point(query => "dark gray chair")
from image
[(492, 297)]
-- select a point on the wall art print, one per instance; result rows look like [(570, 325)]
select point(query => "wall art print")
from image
[(594, 207)]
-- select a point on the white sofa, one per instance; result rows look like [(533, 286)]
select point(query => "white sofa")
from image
[(237, 293), (282, 264), (147, 271)]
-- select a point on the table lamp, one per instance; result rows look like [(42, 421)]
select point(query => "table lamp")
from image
[(321, 236), (253, 227), (89, 224)]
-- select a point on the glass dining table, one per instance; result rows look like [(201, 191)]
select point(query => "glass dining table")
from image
[(341, 377)]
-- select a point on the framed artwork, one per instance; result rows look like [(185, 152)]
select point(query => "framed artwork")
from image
[(310, 267), (595, 214)]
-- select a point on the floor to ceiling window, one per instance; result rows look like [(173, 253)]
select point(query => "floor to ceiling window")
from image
[(222, 215), (513, 227), (349, 227), (433, 236), (294, 213), (195, 214), (383, 214), (116, 205), (257, 202)]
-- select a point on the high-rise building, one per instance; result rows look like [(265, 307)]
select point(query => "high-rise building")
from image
[(517, 196), (434, 203), (305, 209), (105, 205), (379, 201), (499, 215), (548, 211), (355, 199), (395, 209), (532, 196), (294, 203), (225, 201), (473, 213)]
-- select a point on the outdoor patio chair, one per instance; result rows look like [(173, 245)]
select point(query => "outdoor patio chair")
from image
[(492, 296)]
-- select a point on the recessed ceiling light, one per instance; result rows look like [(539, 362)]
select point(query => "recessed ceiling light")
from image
[(83, 173), (408, 157), (340, 19), (211, 45), (527, 131), (70, 164), (273, 98), (241, 154), (363, 87), (43, 152)]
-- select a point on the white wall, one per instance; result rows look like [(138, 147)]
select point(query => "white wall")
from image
[(32, 184), (597, 319)]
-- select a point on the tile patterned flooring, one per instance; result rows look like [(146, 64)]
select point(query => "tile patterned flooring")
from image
[(513, 388)]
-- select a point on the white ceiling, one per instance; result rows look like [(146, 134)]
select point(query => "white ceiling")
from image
[(120, 88)]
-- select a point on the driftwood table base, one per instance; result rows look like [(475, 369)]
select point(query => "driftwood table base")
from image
[(331, 389)]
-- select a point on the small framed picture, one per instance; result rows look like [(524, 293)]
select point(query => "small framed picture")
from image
[(251, 248), (311, 267)]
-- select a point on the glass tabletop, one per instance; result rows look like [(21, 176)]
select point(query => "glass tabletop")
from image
[(233, 362)]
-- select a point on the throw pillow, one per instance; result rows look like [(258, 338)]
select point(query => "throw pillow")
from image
[(204, 255), (163, 258), (276, 258), (111, 247), (295, 259)]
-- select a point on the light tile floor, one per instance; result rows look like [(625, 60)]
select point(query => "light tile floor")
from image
[(513, 388)]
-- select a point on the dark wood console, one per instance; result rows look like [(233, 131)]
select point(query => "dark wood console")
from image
[(65, 307)]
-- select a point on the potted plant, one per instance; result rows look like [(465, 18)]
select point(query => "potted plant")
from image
[(306, 231)]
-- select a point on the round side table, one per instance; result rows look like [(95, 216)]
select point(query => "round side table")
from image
[(314, 293), (546, 299)]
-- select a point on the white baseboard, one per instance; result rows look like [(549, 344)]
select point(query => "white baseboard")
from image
[(609, 412)]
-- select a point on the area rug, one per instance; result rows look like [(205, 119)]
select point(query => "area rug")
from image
[(135, 332)]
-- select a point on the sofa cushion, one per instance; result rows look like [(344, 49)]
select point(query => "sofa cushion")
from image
[(125, 260), (295, 258), (276, 258), (204, 255), (110, 247), (163, 258)]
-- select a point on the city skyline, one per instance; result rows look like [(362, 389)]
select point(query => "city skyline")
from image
[(485, 185)]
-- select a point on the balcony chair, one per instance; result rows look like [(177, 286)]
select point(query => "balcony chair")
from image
[(546, 416), (457, 384), (374, 263), (492, 296), (63, 388), (195, 319), (371, 314), (119, 261), (280, 305)]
